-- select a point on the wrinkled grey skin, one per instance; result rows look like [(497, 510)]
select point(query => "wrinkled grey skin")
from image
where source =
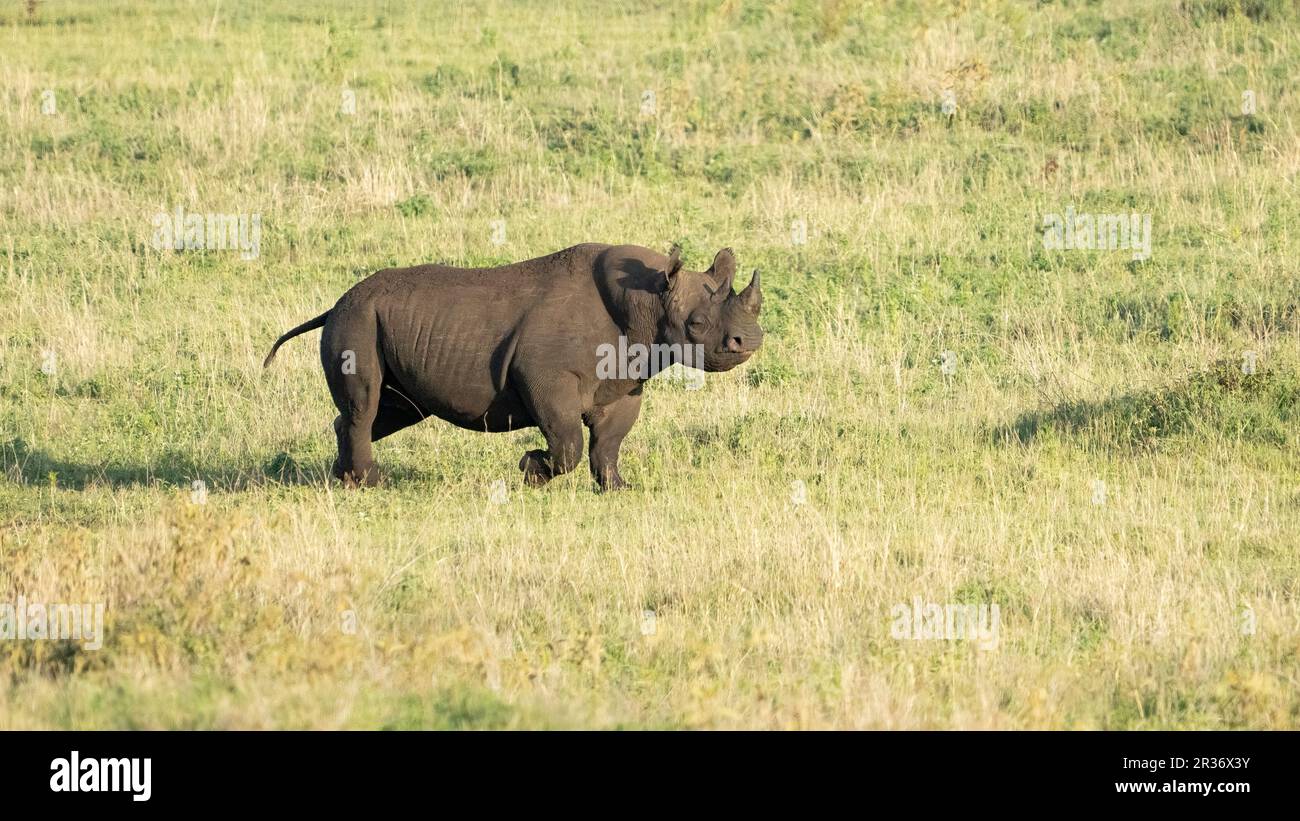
[(500, 349)]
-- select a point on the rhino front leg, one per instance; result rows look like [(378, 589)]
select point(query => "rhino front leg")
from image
[(608, 426), (555, 407)]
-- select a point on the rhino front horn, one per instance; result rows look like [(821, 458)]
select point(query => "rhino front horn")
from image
[(751, 299)]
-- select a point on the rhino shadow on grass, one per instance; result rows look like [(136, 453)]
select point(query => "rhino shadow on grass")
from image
[(21, 462), (1261, 407)]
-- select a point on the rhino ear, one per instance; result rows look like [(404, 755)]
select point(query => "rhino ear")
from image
[(723, 272), (751, 299), (673, 268)]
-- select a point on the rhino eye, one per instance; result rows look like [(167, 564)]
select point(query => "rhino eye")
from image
[(698, 323)]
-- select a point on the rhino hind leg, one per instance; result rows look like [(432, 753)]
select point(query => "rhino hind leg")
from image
[(392, 416), (340, 427), (354, 372), (388, 420), (355, 465)]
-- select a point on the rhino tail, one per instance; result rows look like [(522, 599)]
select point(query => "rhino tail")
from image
[(309, 325)]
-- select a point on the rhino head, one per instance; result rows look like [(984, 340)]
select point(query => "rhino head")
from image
[(701, 309)]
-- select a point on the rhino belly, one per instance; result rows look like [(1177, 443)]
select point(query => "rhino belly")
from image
[(455, 374), (500, 413)]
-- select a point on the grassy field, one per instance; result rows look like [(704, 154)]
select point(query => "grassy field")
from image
[(1075, 436)]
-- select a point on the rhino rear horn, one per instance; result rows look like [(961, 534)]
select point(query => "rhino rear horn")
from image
[(751, 299)]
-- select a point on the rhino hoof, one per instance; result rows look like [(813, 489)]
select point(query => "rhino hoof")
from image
[(536, 471), (354, 479), (614, 483)]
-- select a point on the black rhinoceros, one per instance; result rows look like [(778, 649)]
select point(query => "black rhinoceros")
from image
[(521, 345)]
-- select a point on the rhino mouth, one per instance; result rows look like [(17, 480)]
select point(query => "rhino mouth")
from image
[(725, 360)]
